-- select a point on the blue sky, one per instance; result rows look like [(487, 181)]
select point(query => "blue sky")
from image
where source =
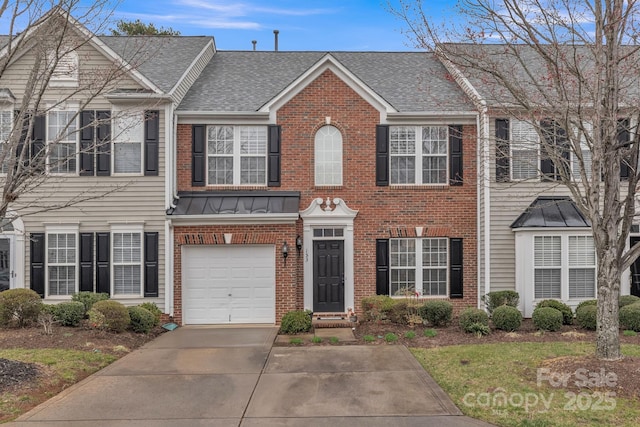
[(352, 25)]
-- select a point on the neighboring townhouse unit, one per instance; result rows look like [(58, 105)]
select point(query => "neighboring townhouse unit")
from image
[(107, 232), (309, 180), (532, 237)]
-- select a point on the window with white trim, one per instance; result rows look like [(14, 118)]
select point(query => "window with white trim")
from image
[(237, 155), (62, 137), (584, 151), (328, 156), (127, 262), (525, 146), (418, 154), (419, 265), (62, 263), (6, 125), (128, 137), (564, 267)]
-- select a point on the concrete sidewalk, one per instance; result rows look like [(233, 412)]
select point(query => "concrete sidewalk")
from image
[(231, 376)]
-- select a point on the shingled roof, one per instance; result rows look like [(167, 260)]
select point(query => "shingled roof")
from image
[(244, 81)]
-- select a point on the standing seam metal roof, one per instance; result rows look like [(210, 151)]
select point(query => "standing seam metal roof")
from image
[(551, 212)]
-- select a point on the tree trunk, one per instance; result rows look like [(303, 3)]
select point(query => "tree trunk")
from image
[(607, 330)]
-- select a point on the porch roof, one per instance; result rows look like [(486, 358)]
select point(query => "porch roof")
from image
[(547, 211), (236, 203)]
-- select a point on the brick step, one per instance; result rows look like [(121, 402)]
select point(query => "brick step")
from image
[(332, 323), (329, 316)]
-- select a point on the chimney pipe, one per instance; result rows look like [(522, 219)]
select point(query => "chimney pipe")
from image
[(254, 42), (275, 33)]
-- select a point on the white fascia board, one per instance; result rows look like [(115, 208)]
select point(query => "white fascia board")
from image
[(137, 97), (234, 219), (222, 117), (551, 230), (328, 62), (460, 117), (205, 50)]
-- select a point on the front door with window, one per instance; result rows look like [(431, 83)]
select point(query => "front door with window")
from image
[(6, 271), (328, 276), (635, 270)]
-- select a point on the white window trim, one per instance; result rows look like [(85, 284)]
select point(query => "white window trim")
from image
[(237, 156), (115, 139), (10, 109), (61, 229), (126, 229), (525, 269), (419, 156), (49, 141), (419, 267), (512, 142), (316, 162)]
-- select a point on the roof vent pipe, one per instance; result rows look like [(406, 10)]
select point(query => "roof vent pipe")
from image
[(275, 34), (254, 42)]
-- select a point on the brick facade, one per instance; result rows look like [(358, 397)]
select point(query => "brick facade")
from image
[(383, 212)]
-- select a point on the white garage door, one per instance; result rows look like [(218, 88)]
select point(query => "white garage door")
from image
[(228, 284)]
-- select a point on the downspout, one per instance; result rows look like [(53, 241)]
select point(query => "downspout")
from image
[(170, 168), (486, 182)]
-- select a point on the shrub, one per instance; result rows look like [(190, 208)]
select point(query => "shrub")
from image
[(479, 329), (69, 313), (436, 312), (369, 338), (506, 318), (410, 335), (153, 308), (400, 312), (88, 299), (97, 320), (390, 337), (316, 339), (495, 299), (586, 302), (142, 320), (19, 307), (626, 300), (295, 322), (630, 317), (567, 314), (547, 318), (46, 318), (586, 316), (116, 315), (469, 316), (430, 333), (377, 307)]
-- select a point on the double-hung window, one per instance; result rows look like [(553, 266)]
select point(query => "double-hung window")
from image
[(6, 124), (62, 257), (237, 155), (525, 146), (127, 262), (128, 137), (62, 138), (564, 267), (584, 134), (418, 266), (419, 154)]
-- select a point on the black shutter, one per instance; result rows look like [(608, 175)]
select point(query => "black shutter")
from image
[(103, 256), (151, 142), (382, 266), (546, 150), (623, 137), (198, 166), (503, 151), (87, 138), (150, 264), (382, 155), (86, 262), (37, 252), (455, 268), (38, 138), (274, 167), (23, 136), (455, 155), (103, 142)]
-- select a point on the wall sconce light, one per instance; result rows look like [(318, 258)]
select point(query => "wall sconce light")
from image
[(299, 244), (285, 251)]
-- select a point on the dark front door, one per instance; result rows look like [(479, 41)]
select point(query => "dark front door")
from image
[(328, 276), (635, 270)]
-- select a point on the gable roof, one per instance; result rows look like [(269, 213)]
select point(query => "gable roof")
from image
[(166, 58), (244, 81), (549, 211)]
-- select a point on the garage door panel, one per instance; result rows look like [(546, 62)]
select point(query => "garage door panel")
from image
[(212, 273)]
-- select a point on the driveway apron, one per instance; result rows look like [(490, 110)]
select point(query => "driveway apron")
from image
[(231, 376)]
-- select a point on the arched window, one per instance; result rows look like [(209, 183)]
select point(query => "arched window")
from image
[(328, 156)]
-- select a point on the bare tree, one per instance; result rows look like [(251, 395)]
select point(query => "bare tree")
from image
[(56, 40), (569, 69)]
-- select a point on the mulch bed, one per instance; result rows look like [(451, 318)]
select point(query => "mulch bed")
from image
[(14, 373)]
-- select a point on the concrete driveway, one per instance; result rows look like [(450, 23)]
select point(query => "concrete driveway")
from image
[(231, 376)]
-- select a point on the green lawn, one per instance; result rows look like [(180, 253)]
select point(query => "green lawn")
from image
[(498, 383)]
